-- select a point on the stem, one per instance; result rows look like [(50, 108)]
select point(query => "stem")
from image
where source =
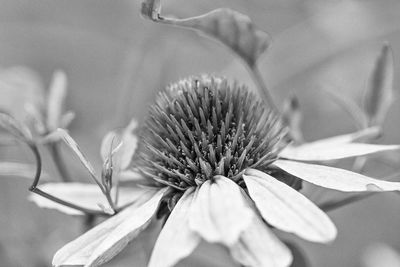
[(262, 87), (59, 162), (33, 188), (65, 203)]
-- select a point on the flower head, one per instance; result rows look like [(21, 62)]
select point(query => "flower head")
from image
[(220, 161), (201, 127)]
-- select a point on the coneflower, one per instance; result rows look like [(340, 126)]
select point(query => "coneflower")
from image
[(218, 162)]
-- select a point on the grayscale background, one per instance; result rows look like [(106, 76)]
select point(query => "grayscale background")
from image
[(116, 62)]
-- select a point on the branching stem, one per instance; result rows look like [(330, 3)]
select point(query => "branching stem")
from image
[(33, 188)]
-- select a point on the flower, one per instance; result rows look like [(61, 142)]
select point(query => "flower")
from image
[(219, 166)]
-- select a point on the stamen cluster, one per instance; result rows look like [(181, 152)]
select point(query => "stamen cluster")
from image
[(203, 126)]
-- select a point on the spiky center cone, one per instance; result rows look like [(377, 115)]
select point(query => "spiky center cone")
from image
[(203, 126)]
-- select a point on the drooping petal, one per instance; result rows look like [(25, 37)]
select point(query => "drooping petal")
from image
[(176, 240), (287, 209), (335, 178), (219, 212), (85, 195), (318, 152), (107, 239), (259, 247)]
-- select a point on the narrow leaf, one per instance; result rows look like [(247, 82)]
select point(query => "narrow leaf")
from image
[(335, 178), (126, 141), (287, 209), (227, 26), (63, 135), (379, 91)]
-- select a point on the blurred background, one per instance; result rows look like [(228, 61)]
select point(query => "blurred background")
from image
[(116, 62)]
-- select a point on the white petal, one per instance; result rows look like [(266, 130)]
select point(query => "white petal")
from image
[(335, 178), (312, 152), (176, 240), (287, 209), (259, 247), (107, 239), (219, 212), (84, 195)]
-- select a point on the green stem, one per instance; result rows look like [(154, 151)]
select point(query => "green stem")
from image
[(59, 162), (262, 87)]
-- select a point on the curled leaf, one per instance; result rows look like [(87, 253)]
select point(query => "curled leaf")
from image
[(229, 27), (379, 91), (124, 146)]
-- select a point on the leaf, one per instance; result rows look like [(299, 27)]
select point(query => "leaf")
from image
[(55, 101), (287, 209), (125, 144), (335, 178), (63, 135), (309, 152), (379, 91), (176, 240), (227, 26), (15, 128), (259, 247), (107, 239), (85, 195)]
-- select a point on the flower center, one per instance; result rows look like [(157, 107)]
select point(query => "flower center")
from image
[(203, 126)]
